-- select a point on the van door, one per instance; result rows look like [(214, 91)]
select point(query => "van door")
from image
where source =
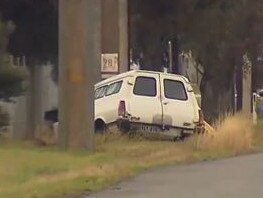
[(144, 101), (178, 108)]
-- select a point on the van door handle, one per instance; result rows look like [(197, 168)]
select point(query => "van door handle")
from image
[(165, 103)]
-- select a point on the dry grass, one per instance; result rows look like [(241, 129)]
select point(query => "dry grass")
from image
[(28, 171), (234, 134)]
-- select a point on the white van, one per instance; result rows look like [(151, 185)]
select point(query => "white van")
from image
[(148, 101)]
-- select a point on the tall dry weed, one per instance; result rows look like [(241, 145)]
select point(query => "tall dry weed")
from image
[(234, 134)]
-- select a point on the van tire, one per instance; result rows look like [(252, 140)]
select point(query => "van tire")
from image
[(100, 126), (124, 126)]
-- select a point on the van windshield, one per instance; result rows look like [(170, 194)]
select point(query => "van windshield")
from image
[(174, 90)]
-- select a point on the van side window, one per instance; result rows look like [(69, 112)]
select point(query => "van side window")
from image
[(100, 92), (145, 86), (174, 90), (113, 88)]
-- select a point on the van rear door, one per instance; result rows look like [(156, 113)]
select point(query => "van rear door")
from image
[(144, 101), (178, 108)]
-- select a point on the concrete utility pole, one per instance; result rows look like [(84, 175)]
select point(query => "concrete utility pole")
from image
[(247, 86), (123, 37), (79, 61)]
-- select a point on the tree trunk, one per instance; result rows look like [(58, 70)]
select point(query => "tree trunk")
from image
[(217, 90)]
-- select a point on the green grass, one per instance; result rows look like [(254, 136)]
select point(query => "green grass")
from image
[(30, 171)]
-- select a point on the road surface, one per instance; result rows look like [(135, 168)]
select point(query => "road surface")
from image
[(240, 177)]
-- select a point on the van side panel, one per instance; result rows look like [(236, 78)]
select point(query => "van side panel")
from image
[(106, 108)]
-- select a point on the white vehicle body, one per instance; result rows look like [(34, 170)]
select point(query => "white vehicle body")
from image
[(147, 99)]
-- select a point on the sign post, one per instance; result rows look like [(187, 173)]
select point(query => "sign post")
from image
[(109, 65)]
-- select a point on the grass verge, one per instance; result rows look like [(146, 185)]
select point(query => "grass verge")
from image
[(29, 171)]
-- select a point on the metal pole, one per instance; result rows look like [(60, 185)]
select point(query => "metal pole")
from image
[(79, 56), (254, 113), (170, 57)]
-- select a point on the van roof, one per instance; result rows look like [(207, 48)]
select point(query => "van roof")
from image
[(132, 72)]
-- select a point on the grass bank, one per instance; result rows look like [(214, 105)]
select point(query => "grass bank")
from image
[(29, 171)]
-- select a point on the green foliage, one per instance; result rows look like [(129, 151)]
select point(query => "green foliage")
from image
[(12, 81), (11, 78)]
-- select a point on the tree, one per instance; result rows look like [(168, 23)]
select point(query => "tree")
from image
[(221, 32), (218, 32), (36, 35), (211, 37), (11, 78), (36, 38)]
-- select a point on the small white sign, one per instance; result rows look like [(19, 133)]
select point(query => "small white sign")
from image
[(109, 63)]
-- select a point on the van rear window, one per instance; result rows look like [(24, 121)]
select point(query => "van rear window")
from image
[(113, 88), (145, 86), (99, 93), (174, 90)]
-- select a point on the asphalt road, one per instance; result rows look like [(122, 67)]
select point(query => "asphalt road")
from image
[(240, 177)]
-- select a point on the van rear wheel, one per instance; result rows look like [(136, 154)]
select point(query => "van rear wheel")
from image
[(100, 126)]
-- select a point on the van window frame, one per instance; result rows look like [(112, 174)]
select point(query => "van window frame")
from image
[(148, 77), (117, 91), (178, 81)]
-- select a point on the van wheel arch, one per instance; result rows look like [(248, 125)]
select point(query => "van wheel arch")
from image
[(100, 126)]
